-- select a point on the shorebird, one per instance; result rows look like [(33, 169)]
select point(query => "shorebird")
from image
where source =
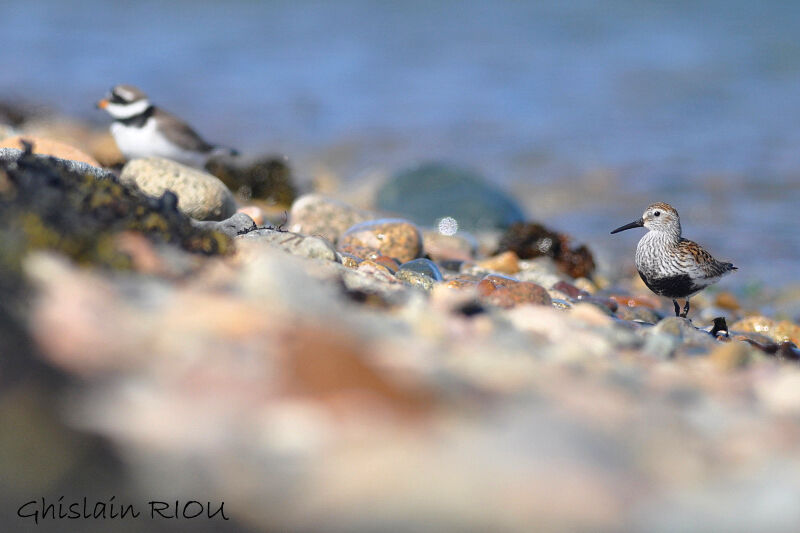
[(670, 265), (141, 129)]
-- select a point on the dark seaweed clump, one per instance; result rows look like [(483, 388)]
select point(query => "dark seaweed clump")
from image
[(44, 205), (269, 178), (530, 239)]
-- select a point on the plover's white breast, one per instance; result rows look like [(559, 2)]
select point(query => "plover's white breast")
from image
[(147, 141)]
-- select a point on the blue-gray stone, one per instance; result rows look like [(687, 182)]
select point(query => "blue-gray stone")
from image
[(415, 279), (423, 266), (430, 192)]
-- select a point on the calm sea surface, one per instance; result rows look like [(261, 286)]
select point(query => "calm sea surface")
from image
[(587, 110)]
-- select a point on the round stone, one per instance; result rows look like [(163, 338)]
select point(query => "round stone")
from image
[(423, 266), (200, 195), (396, 238), (506, 292), (415, 279), (314, 214), (449, 198)]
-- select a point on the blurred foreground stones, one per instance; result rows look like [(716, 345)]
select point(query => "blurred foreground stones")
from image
[(353, 372)]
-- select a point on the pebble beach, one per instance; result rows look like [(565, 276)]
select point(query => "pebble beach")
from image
[(400, 308), (335, 364)]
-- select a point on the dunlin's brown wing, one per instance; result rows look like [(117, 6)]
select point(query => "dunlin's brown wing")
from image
[(180, 133), (703, 260)]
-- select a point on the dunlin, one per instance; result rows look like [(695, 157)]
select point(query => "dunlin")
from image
[(670, 265)]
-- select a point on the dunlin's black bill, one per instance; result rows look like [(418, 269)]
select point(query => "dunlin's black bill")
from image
[(635, 224)]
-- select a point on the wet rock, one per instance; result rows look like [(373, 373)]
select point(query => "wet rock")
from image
[(529, 240), (416, 279), (431, 192), (461, 283), (506, 263), (390, 264), (238, 224), (395, 238), (293, 243), (45, 146), (777, 331), (423, 266), (349, 260), (200, 195), (570, 290), (361, 253), (314, 214), (507, 293), (268, 178)]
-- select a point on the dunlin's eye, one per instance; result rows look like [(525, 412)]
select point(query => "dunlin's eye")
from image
[(657, 214)]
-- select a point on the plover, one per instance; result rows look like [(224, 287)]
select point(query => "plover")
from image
[(668, 264), (141, 129)]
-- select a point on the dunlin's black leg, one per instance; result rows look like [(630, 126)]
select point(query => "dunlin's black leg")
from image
[(677, 308), (685, 309)]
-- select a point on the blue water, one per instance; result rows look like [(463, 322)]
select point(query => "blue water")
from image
[(589, 110)]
